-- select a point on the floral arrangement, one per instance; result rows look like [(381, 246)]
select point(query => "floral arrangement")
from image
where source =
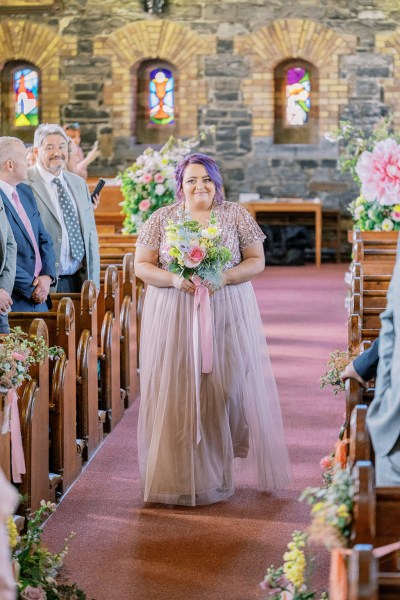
[(338, 361), (195, 249), (289, 580), (37, 570), (373, 160), (17, 353), (331, 510), (149, 183)]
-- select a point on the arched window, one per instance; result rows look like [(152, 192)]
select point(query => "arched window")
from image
[(296, 103), (20, 99), (156, 117)]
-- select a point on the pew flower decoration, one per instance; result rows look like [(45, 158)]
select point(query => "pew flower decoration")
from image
[(373, 160), (18, 353), (331, 510), (149, 183), (37, 570), (289, 580), (338, 361), (195, 249)]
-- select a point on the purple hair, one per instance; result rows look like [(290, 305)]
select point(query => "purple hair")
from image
[(210, 166)]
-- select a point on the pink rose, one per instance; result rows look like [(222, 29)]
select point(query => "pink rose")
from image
[(396, 216), (325, 462), (144, 205), (33, 593), (194, 257), (159, 178), (18, 356), (147, 177)]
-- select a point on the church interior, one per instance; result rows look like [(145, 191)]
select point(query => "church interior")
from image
[(293, 99)]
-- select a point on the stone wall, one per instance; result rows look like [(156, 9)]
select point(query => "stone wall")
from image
[(226, 51)]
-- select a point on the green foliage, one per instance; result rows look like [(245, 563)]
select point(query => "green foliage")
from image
[(338, 361)]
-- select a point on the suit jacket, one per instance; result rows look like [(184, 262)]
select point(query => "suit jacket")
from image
[(25, 271), (80, 191), (366, 363), (383, 417), (8, 252)]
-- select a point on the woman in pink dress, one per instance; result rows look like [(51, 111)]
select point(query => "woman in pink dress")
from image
[(193, 434)]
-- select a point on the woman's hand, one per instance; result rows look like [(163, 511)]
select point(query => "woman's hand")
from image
[(182, 284)]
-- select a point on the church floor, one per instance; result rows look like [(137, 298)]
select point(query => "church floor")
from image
[(124, 550)]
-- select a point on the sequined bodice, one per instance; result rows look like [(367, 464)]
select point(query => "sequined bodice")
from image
[(239, 230)]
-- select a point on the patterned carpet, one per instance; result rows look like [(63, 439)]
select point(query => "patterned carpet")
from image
[(124, 550)]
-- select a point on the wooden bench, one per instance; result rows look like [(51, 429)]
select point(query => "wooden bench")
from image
[(89, 421), (366, 581), (65, 450)]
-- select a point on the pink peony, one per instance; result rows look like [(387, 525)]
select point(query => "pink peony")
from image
[(194, 257), (33, 593), (144, 205), (379, 172), (147, 177), (159, 178)]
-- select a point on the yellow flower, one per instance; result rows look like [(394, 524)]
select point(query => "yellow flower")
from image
[(12, 532), (342, 511), (175, 253), (317, 507)]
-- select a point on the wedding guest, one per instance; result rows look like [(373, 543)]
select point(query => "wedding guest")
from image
[(363, 367), (66, 209), (193, 426), (81, 162), (35, 271), (8, 260)]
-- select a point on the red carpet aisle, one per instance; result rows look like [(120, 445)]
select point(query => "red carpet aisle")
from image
[(126, 551)]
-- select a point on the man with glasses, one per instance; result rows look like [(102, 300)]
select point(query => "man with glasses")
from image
[(66, 210)]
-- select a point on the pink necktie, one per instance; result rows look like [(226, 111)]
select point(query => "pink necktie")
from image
[(27, 224)]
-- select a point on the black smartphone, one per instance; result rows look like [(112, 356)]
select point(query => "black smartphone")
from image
[(101, 183)]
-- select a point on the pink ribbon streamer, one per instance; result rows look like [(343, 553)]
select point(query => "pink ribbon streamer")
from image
[(202, 325), (17, 452)]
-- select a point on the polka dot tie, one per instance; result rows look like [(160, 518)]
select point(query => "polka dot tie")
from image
[(71, 221)]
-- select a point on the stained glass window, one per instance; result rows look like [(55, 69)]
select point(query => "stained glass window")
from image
[(298, 91), (26, 94), (161, 97)]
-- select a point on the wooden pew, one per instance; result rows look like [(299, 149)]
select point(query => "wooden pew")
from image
[(360, 448), (89, 421), (376, 509), (374, 246), (65, 454), (109, 334), (365, 579), (117, 243)]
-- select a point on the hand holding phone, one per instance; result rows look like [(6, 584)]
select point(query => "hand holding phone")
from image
[(101, 183)]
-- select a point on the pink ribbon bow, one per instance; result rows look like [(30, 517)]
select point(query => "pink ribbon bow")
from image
[(13, 425), (202, 309)]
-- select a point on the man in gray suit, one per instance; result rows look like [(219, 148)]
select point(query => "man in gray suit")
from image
[(8, 256), (66, 210), (383, 417)]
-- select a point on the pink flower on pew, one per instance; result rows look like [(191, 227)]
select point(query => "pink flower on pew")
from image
[(395, 214), (19, 356), (326, 462), (194, 257), (33, 593), (379, 172), (144, 205)]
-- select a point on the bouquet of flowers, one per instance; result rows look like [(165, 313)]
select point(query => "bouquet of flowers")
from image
[(17, 353), (289, 580), (332, 509), (374, 216), (149, 183), (195, 249), (338, 361), (36, 569)]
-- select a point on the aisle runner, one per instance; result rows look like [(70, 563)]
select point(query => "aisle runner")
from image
[(123, 550)]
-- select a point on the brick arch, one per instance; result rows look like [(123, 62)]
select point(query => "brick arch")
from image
[(154, 38), (294, 38), (389, 44), (40, 45)]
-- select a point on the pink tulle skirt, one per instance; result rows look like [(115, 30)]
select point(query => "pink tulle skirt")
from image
[(239, 414)]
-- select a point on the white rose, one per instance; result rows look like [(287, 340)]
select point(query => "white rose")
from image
[(159, 189)]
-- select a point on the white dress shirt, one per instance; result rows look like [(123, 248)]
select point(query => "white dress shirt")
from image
[(68, 265), (8, 190)]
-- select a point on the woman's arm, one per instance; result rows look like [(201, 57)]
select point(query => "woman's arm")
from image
[(252, 264), (146, 269)]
